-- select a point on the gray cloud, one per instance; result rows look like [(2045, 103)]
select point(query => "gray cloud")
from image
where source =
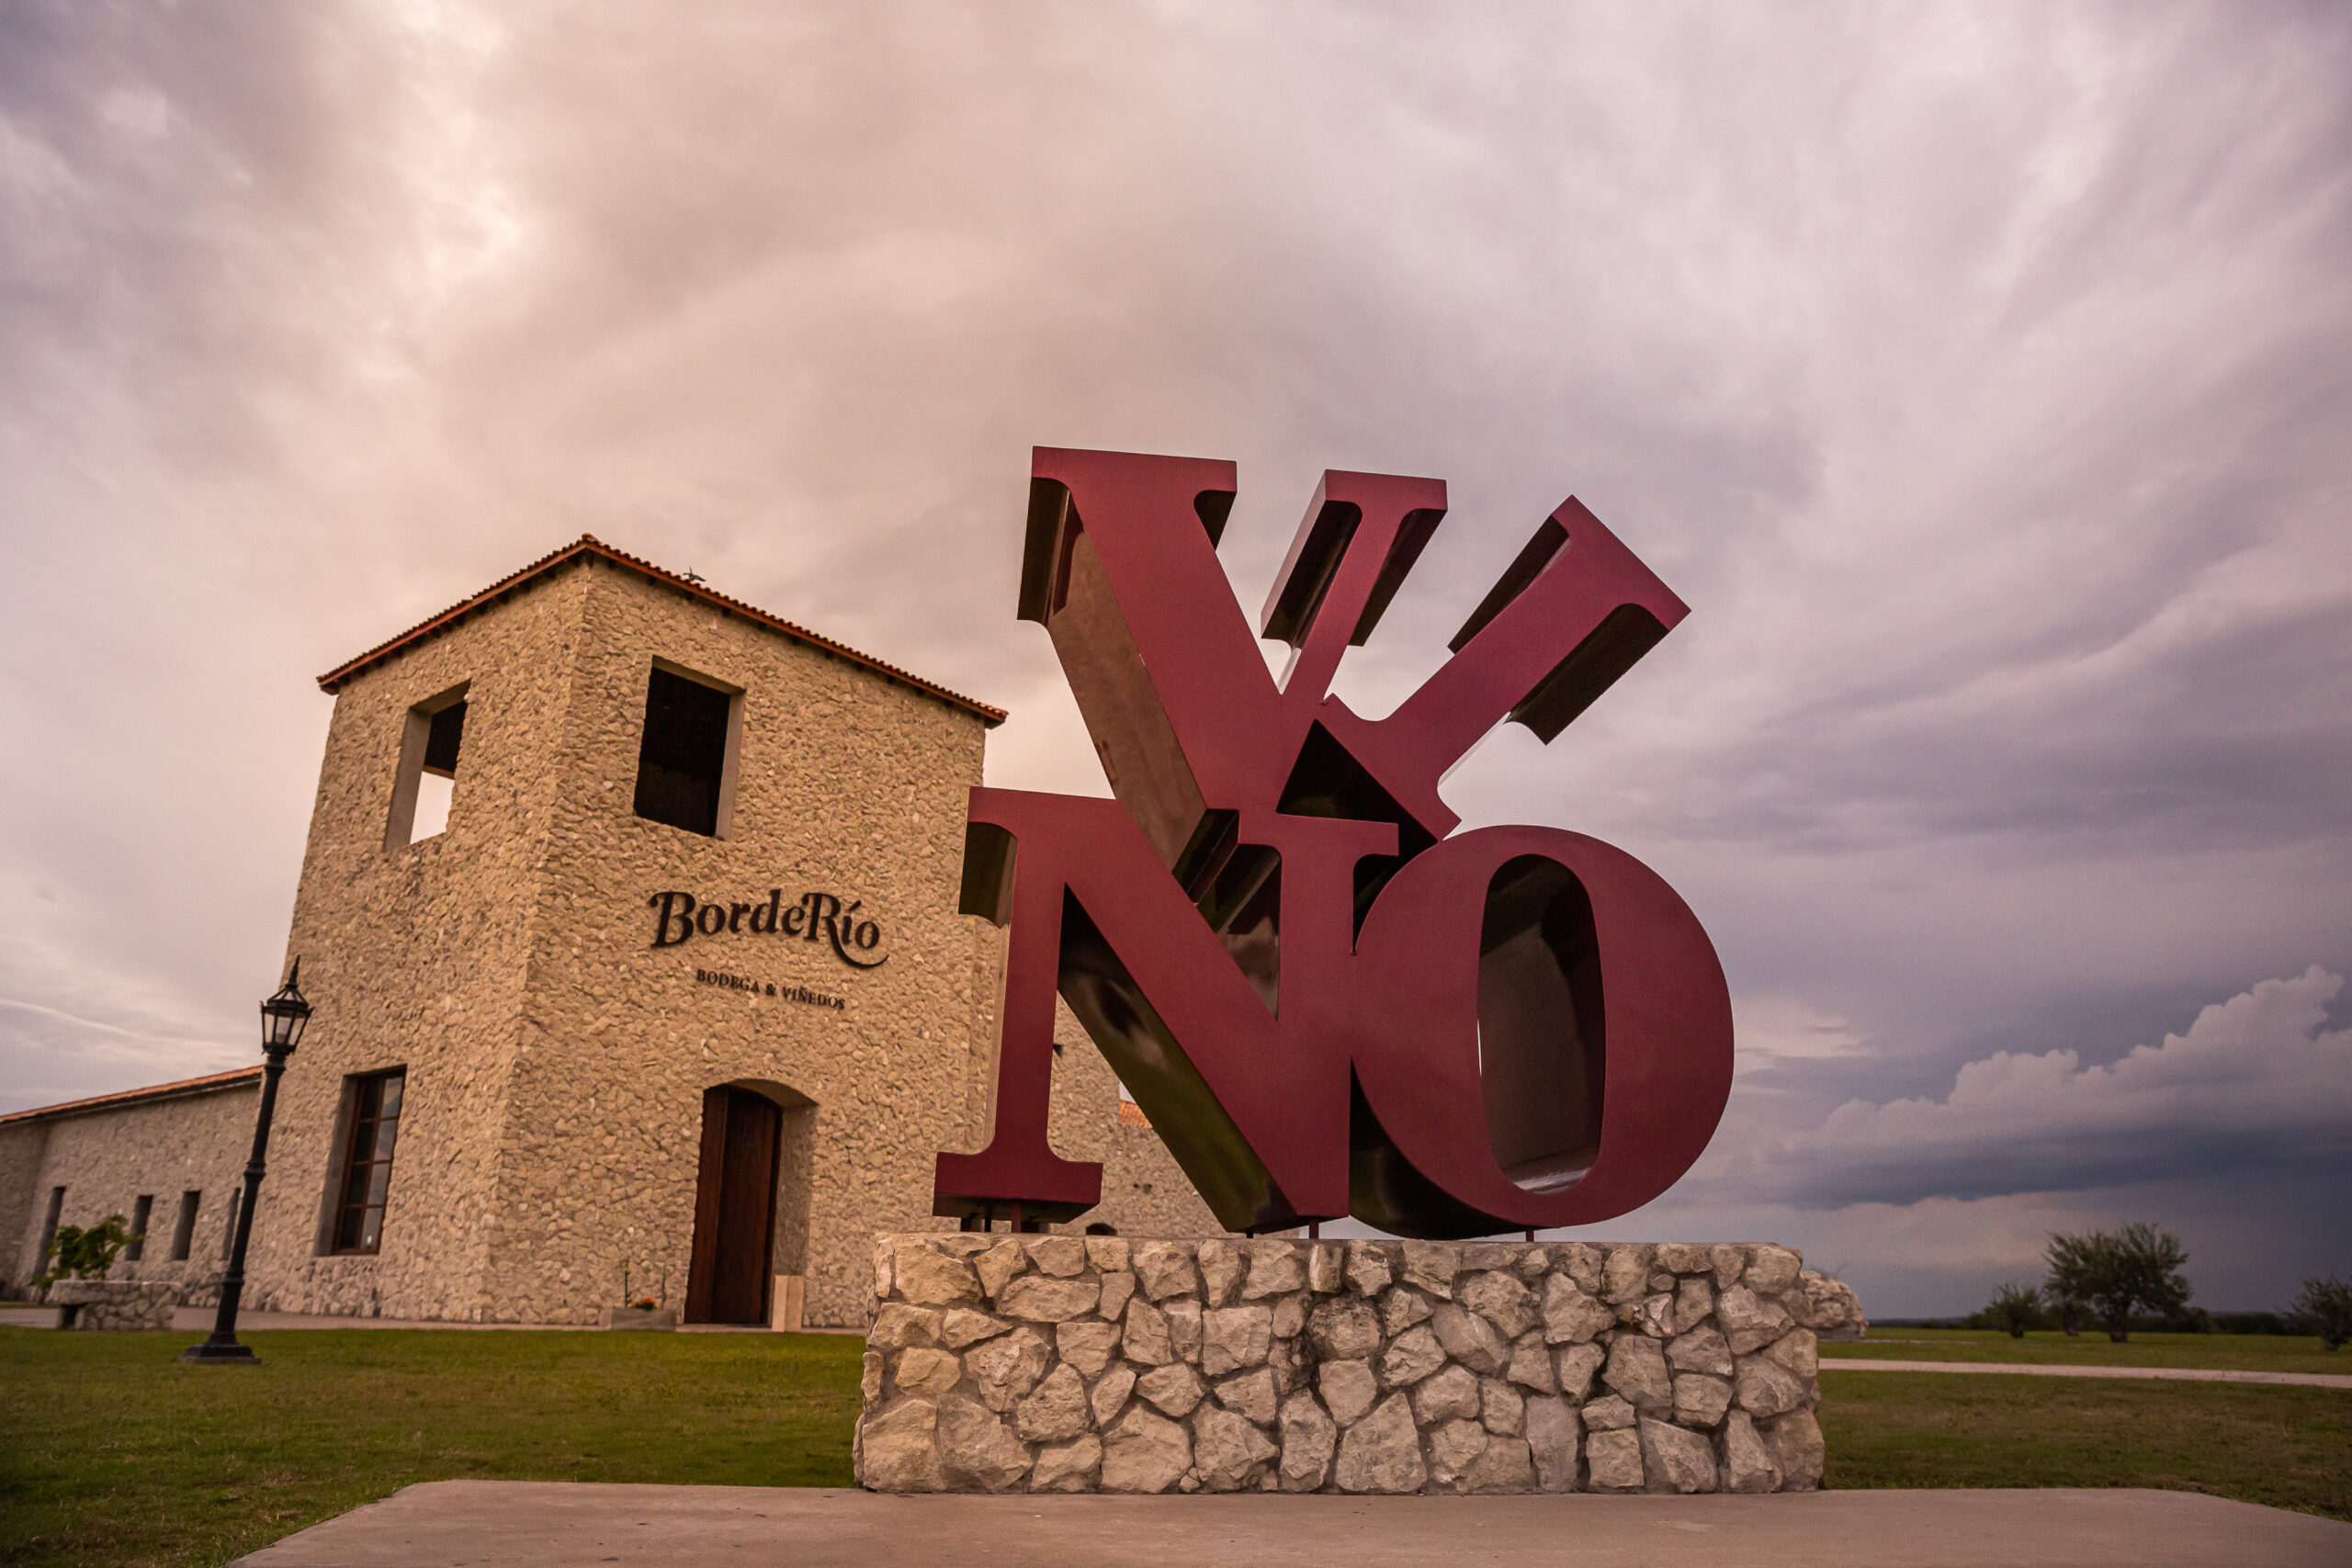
[(1978, 377)]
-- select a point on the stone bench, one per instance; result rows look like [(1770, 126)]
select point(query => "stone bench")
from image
[(1055, 1363), (114, 1306)]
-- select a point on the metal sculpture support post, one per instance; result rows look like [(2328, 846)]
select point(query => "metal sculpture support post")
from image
[(1326, 1001), (282, 1017)]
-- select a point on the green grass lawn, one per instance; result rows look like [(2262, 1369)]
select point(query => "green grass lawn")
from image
[(116, 1454), (2288, 1447), (2236, 1352)]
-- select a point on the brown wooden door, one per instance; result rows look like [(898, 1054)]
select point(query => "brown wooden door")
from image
[(734, 1208)]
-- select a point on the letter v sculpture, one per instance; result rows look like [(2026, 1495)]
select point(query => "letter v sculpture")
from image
[(1327, 1001)]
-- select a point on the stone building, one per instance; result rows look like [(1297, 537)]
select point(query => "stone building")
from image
[(630, 916)]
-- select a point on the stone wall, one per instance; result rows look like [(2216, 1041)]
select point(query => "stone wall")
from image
[(106, 1157), (115, 1306), (1055, 1363)]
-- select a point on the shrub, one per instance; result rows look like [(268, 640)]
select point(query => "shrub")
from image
[(84, 1254), (2115, 1274), (2324, 1307)]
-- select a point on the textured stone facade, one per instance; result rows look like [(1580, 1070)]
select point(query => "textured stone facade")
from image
[(1112, 1364), (555, 1059), (109, 1154)]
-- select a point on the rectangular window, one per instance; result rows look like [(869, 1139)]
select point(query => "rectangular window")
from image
[(425, 785), (686, 767), (183, 1228), (367, 1160), (141, 1210), (49, 1224)]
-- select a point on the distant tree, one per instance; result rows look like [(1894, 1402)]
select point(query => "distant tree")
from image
[(2067, 1312), (2014, 1309), (2325, 1307), (2117, 1273)]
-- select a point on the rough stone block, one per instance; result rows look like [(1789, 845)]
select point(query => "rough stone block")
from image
[(1530, 1365), (1173, 1389), (1383, 1451), (1450, 1395), (1502, 1300), (1088, 1347), (1038, 1299), (1251, 1393), (1326, 1266), (1504, 1467), (1766, 1388), (1117, 1291), (1147, 1341), (1369, 1270), (1570, 1316), (1063, 1256), (1625, 1278), (1165, 1270), (1749, 1321), (1310, 1438), (1055, 1411), (1348, 1389), (1108, 1395), (1700, 1350), (1700, 1401), (896, 1451), (1068, 1467), (999, 1264), (1229, 1451), (976, 1449), (1613, 1461), (1637, 1371), (1554, 1435), (1694, 1300), (1470, 1339), (1007, 1368), (1401, 1308), (1234, 1338), (1676, 1460), (1501, 1408), (1184, 1328), (928, 1279), (1453, 1448), (1797, 1449), (1798, 1350), (1432, 1266), (1748, 1465), (1414, 1356), (1144, 1453), (1275, 1269), (927, 1373), (1108, 1254), (1607, 1414), (1579, 1364), (1771, 1269), (963, 1327), (1221, 1264)]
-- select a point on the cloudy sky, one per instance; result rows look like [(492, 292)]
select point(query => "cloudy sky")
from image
[(1980, 375)]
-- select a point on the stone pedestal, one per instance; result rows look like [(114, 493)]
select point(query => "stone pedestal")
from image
[(1054, 1364), (111, 1306)]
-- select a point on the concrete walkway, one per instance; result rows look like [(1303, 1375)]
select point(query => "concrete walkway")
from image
[(510, 1524), (2036, 1369)]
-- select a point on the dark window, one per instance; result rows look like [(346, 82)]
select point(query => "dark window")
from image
[(141, 1209), (49, 1224), (183, 1228), (683, 764), (367, 1160)]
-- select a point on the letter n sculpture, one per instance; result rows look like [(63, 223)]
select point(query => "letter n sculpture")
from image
[(1327, 1000)]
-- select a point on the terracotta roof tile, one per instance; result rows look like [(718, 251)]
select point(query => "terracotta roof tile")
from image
[(588, 546), (236, 1079)]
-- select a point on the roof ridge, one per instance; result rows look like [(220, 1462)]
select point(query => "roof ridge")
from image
[(589, 547), (133, 1096)]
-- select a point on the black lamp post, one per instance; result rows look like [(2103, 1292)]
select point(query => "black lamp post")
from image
[(282, 1018)]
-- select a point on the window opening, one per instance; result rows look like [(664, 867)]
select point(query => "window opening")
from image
[(142, 1209), (685, 767), (184, 1227), (427, 784), (49, 1224), (367, 1160)]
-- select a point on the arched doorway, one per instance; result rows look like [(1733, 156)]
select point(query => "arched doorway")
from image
[(747, 1145)]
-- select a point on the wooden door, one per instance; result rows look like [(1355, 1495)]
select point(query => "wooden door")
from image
[(734, 1208)]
